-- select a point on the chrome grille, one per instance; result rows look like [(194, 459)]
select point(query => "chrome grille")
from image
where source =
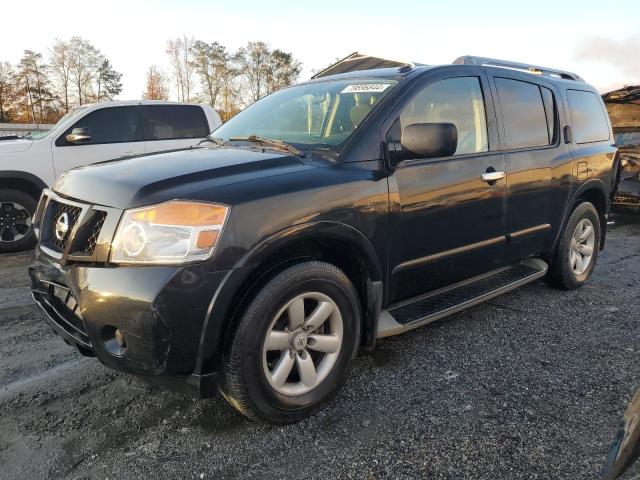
[(94, 231), (57, 209), (86, 223)]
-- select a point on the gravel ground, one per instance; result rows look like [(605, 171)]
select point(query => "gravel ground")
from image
[(530, 385)]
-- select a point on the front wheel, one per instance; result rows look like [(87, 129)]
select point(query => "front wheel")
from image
[(293, 345), (577, 252), (16, 211)]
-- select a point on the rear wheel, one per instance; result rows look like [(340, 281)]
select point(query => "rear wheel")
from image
[(577, 252), (293, 345), (16, 211)]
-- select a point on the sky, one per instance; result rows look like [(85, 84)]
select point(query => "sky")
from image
[(598, 40)]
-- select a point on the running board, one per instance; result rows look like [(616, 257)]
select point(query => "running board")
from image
[(445, 301)]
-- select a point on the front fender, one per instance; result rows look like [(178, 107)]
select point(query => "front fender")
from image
[(243, 273)]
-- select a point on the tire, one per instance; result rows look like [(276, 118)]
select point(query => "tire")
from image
[(251, 381), (16, 211), (566, 271)]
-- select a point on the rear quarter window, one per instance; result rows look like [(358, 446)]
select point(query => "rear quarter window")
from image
[(173, 122), (588, 116)]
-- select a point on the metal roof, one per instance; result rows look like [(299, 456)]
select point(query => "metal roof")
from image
[(357, 62)]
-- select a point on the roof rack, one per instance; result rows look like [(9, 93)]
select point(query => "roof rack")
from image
[(524, 67)]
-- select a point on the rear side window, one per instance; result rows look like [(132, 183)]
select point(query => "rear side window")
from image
[(172, 122), (589, 120), (109, 125), (454, 100), (526, 122)]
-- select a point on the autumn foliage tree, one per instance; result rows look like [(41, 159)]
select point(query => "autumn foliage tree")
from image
[(156, 88)]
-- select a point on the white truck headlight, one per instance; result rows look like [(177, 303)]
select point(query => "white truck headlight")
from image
[(169, 233)]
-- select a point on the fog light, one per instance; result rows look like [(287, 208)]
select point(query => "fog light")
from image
[(113, 340)]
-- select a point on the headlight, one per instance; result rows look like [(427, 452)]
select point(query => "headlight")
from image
[(173, 232)]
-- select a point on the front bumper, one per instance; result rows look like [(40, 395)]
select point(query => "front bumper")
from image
[(163, 313)]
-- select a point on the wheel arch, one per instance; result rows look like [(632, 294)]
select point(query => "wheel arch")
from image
[(27, 182), (595, 192), (335, 243)]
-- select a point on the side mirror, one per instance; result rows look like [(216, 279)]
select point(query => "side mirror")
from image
[(430, 140), (79, 136)]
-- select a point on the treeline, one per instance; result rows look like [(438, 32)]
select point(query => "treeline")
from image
[(42, 88), (228, 81)]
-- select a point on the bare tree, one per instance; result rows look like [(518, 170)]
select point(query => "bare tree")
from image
[(254, 58), (180, 53), (156, 88), (84, 63), (7, 92), (60, 64), (187, 54), (173, 50)]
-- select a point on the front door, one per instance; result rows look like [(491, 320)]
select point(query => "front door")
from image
[(115, 133), (447, 219)]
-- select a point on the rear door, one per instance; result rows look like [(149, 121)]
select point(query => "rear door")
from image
[(169, 127), (537, 162), (447, 223), (116, 132)]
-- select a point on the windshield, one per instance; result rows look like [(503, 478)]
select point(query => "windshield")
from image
[(316, 115), (65, 117), (627, 139)]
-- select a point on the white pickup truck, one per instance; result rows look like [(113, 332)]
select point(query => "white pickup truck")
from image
[(86, 135)]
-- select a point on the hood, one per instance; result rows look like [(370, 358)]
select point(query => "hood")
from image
[(187, 174), (13, 146)]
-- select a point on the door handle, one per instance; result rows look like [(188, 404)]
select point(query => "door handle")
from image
[(492, 176), (127, 154)]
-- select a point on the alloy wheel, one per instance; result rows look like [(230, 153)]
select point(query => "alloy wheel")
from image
[(582, 245), (302, 343), (15, 222)]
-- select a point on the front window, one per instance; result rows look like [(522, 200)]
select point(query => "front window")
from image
[(452, 100), (315, 115)]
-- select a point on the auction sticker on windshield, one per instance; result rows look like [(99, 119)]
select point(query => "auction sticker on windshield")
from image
[(366, 88)]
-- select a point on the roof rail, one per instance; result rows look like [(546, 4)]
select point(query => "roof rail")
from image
[(525, 67)]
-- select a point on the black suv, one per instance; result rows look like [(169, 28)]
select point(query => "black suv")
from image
[(321, 218)]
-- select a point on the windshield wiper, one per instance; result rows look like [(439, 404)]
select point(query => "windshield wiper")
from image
[(216, 141), (269, 142)]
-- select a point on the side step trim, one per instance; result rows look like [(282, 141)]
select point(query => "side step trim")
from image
[(526, 271)]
